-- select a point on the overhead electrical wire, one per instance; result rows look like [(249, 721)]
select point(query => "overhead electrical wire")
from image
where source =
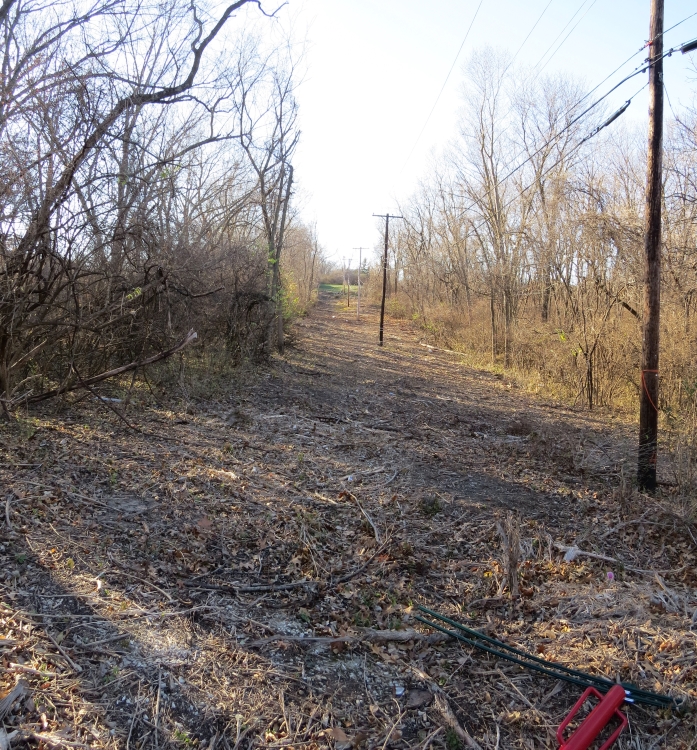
[(529, 34), (639, 69), (565, 38), (569, 125), (445, 83), (675, 26), (452, 67), (570, 153)]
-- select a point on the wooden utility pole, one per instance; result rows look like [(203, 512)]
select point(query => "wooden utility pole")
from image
[(360, 260), (387, 218), (648, 405)]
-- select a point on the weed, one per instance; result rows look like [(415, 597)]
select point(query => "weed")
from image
[(361, 620), (452, 741), (111, 675), (431, 506), (181, 736)]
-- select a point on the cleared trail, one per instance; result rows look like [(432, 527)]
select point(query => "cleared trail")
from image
[(242, 571)]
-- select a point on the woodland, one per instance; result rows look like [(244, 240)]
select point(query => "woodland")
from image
[(223, 504)]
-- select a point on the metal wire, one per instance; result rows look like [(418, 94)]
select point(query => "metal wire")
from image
[(551, 669)]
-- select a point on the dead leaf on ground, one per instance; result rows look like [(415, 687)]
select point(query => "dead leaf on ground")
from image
[(341, 740), (419, 698)]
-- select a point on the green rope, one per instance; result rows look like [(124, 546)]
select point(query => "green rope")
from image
[(549, 668)]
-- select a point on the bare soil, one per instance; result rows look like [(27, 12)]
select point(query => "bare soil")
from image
[(242, 571)]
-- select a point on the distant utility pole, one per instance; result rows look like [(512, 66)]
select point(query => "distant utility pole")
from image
[(348, 283), (360, 260), (387, 218), (648, 404), (343, 271)]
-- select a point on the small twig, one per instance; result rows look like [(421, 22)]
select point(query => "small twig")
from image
[(146, 582), (13, 695), (232, 589), (208, 573), (622, 525), (368, 518), (49, 739), (392, 728), (111, 639), (29, 670), (579, 552), (367, 634), (424, 745), (384, 484), (7, 511), (512, 684), (136, 713), (442, 705), (157, 705), (360, 569), (243, 734), (75, 666)]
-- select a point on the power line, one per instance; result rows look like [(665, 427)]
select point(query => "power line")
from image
[(675, 26), (529, 34), (445, 83), (567, 36), (639, 69), (578, 117), (580, 8), (570, 153)]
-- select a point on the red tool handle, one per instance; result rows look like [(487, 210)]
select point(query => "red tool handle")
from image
[(596, 720)]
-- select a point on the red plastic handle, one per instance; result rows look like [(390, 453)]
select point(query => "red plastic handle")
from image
[(608, 706)]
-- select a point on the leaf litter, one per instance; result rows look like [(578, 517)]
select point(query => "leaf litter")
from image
[(243, 571)]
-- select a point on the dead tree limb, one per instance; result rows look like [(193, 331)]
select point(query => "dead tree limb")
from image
[(86, 382)]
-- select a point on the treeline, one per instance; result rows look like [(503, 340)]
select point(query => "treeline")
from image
[(524, 246), (146, 187)]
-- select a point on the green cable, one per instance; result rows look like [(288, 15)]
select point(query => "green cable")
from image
[(551, 669)]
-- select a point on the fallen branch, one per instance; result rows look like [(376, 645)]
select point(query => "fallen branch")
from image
[(188, 339), (260, 589), (571, 553), (272, 587)]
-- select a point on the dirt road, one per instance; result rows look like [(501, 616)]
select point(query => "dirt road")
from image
[(242, 570)]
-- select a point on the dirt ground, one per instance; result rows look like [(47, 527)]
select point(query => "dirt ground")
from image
[(242, 571)]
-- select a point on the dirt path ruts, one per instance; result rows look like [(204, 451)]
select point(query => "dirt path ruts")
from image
[(452, 429)]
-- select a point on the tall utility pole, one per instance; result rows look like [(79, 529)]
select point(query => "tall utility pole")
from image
[(387, 218), (360, 260), (648, 405)]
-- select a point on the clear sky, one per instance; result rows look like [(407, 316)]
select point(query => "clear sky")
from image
[(375, 67)]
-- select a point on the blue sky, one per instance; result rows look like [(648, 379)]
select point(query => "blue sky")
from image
[(374, 69)]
